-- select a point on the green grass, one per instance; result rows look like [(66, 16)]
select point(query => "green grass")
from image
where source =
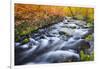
[(28, 27), (86, 57)]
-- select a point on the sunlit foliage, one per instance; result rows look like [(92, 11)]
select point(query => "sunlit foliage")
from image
[(29, 17)]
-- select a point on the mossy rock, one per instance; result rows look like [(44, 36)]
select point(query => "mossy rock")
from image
[(89, 37), (90, 25), (26, 40)]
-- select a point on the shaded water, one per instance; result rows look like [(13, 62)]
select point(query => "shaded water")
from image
[(58, 43)]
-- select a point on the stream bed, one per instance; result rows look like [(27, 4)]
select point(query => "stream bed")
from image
[(58, 43)]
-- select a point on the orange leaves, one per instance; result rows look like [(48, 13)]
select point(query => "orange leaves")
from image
[(33, 13), (25, 11)]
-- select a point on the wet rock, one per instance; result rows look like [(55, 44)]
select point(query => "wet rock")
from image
[(76, 45), (57, 57), (67, 31), (17, 44)]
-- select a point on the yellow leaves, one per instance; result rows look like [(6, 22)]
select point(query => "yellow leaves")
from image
[(26, 11), (40, 15)]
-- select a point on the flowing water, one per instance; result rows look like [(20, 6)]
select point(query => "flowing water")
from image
[(58, 43)]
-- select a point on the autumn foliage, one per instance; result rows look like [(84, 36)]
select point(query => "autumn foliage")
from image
[(29, 17)]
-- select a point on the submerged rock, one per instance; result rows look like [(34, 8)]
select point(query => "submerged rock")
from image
[(57, 57), (76, 45)]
